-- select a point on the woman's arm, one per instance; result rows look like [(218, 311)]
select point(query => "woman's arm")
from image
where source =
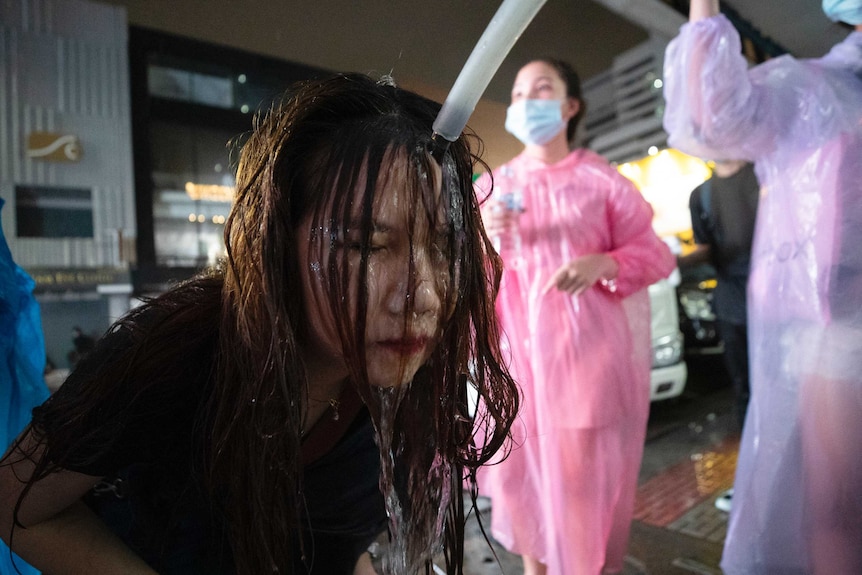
[(642, 257), (635, 257), (58, 533), (715, 105), (700, 9)]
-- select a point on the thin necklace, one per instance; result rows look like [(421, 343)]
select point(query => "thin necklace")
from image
[(334, 404)]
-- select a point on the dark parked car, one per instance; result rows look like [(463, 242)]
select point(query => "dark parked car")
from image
[(696, 317)]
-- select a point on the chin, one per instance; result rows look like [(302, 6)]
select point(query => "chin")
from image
[(391, 374), (386, 384), (387, 369), (390, 381)]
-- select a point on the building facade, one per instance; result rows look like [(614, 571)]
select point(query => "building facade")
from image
[(66, 169)]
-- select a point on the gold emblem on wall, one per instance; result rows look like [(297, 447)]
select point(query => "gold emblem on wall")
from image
[(54, 147)]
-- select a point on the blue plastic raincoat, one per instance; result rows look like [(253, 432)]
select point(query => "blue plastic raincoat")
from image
[(22, 384)]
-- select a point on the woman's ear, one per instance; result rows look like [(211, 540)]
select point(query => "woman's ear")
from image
[(570, 108)]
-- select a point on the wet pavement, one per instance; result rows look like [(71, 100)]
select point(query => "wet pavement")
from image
[(689, 460)]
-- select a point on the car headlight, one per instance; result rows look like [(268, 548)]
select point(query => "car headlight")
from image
[(667, 350), (697, 304)]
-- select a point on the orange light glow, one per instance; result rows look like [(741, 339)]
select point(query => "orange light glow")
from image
[(666, 180)]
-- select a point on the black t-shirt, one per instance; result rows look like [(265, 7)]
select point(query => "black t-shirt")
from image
[(726, 224), (152, 496)]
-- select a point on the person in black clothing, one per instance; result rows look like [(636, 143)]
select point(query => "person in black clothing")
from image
[(232, 424), (83, 344), (723, 213)]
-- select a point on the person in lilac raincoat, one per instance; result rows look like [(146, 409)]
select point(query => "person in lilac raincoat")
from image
[(579, 344), (797, 505)]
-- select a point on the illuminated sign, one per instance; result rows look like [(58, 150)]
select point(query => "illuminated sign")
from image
[(57, 279), (212, 193), (54, 147)]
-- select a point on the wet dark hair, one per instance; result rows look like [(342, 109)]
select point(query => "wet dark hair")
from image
[(327, 145), (573, 90)]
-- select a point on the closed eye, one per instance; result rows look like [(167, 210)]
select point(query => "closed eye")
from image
[(357, 247), (354, 242)]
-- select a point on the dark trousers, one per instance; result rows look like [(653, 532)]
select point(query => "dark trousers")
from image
[(735, 338)]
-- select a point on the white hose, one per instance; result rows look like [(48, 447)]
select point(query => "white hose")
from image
[(502, 32)]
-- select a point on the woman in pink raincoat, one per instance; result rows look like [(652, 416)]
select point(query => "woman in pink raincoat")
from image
[(797, 504), (576, 239)]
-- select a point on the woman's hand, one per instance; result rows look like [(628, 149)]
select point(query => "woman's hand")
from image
[(582, 273), (499, 219)]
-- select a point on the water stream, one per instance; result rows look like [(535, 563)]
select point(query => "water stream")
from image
[(416, 499)]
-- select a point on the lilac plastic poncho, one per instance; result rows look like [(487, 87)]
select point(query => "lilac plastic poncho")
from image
[(797, 505)]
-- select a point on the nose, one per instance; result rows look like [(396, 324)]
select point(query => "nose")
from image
[(427, 286)]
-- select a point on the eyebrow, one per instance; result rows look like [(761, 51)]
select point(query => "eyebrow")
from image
[(376, 226), (534, 80), (383, 228)]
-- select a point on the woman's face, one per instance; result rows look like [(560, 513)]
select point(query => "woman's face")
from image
[(540, 81), (397, 341)]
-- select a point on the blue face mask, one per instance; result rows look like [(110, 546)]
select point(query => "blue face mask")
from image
[(849, 11), (535, 122)]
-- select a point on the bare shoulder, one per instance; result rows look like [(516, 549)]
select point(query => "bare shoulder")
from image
[(47, 496)]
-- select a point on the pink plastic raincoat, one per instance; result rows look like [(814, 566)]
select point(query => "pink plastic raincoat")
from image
[(565, 495), (797, 505)]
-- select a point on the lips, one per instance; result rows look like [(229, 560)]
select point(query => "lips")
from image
[(405, 346)]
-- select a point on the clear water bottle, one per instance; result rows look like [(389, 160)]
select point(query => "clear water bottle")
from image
[(510, 199), (509, 243)]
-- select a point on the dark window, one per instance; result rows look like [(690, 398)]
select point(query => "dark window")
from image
[(192, 105), (193, 186), (47, 212)]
